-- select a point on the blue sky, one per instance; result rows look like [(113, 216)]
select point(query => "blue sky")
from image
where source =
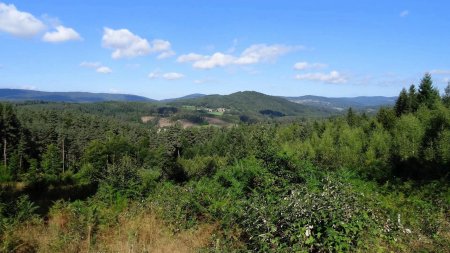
[(163, 49)]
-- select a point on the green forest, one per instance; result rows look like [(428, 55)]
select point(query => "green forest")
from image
[(94, 178)]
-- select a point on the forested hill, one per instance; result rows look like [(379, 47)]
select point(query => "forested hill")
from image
[(245, 100), (251, 101), (78, 97)]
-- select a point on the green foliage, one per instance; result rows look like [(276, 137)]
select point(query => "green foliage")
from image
[(428, 95), (408, 134), (331, 217), (402, 105), (201, 166), (51, 161), (349, 183)]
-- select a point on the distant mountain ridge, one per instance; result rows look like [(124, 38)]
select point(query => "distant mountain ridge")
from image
[(242, 100), (190, 96), (340, 103), (74, 97)]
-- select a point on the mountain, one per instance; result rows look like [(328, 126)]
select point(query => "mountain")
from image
[(76, 97), (191, 96), (341, 103), (251, 102)]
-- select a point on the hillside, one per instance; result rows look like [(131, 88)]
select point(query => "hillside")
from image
[(77, 97), (341, 103), (253, 102)]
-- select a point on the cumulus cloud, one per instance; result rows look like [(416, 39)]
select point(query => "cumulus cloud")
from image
[(99, 68), (254, 54), (61, 34), (440, 72), (103, 70), (172, 76), (332, 77), (128, 45), (167, 76), (404, 13), (19, 23), (262, 53), (192, 57), (154, 75), (215, 60), (307, 65)]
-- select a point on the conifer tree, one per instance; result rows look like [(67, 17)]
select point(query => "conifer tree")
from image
[(351, 117), (446, 97), (402, 103), (9, 131), (412, 98), (427, 93), (51, 162)]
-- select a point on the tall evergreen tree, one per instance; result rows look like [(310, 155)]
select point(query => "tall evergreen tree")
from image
[(351, 117), (412, 98), (9, 132), (51, 161), (446, 97), (427, 93), (402, 104)]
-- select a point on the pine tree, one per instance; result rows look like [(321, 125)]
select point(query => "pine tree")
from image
[(10, 130), (446, 97), (402, 104), (427, 93), (412, 98), (51, 161), (351, 117)]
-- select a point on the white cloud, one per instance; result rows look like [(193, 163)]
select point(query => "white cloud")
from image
[(404, 13), (252, 55), (61, 34), (192, 57), (172, 76), (99, 68), (168, 76), (166, 54), (128, 45), (307, 65), (332, 77), (18, 23), (262, 53), (154, 75), (440, 72), (103, 70), (215, 60), (200, 81)]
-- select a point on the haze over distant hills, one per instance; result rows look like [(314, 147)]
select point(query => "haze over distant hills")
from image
[(74, 97), (240, 100), (341, 103)]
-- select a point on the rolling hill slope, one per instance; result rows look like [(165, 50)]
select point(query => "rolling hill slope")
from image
[(253, 102)]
